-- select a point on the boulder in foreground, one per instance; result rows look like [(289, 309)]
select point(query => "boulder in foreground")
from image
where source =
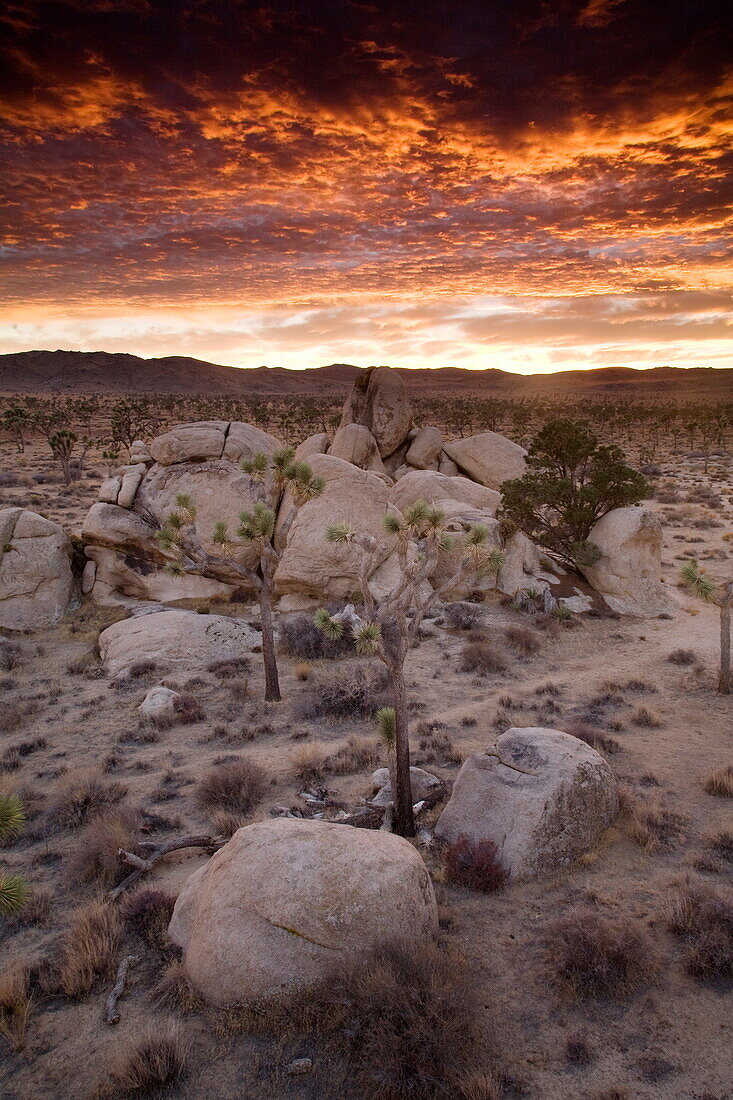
[(285, 901), (542, 797), (36, 581)]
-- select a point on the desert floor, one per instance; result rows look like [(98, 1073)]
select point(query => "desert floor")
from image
[(671, 1039)]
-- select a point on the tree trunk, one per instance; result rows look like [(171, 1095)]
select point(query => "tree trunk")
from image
[(272, 683), (724, 678), (402, 789)]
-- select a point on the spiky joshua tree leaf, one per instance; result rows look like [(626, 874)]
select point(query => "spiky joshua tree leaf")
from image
[(12, 817), (366, 639), (339, 532), (328, 626), (697, 580), (387, 726), (13, 894)]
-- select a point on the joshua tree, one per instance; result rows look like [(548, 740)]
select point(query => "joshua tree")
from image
[(62, 445), (13, 890), (16, 422), (388, 627), (698, 582), (257, 528)]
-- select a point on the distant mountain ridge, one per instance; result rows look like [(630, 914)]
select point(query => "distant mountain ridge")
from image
[(69, 372)]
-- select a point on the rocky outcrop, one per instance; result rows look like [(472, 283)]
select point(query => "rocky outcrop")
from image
[(542, 797), (175, 641), (380, 403), (423, 785), (193, 442), (36, 581), (627, 574), (356, 444), (285, 901), (310, 563), (488, 458), (159, 706)]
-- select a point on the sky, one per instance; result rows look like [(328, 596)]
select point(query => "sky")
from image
[(535, 186)]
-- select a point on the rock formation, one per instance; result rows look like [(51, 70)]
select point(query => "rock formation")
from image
[(285, 901), (36, 582), (627, 574), (542, 797)]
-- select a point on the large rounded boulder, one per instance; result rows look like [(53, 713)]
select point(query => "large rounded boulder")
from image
[(285, 901), (36, 582), (627, 573), (542, 797), (488, 458), (379, 402)]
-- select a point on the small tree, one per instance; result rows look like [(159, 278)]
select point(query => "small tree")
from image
[(13, 889), (571, 482), (62, 446), (257, 528), (16, 422), (389, 626), (698, 582)]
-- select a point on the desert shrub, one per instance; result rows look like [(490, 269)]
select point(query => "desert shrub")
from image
[(36, 909), (704, 917), (174, 991), (310, 764), (592, 736), (591, 955), (302, 671), (721, 844), (81, 793), (88, 948), (95, 857), (480, 1085), (475, 864), (151, 1064), (462, 616), (15, 1006), (646, 719), (578, 1051), (481, 657), (188, 709), (652, 826), (226, 823), (720, 782), (299, 636), (147, 912), (436, 745), (352, 690), (230, 667), (682, 657), (358, 754), (11, 655), (238, 786), (139, 670), (523, 640)]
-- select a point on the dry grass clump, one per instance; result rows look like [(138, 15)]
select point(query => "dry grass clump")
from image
[(646, 718), (436, 745), (151, 1064), (523, 640), (310, 764), (11, 655), (720, 782), (81, 793), (480, 1085), (302, 671), (15, 1006), (298, 636), (237, 786), (357, 755), (174, 991), (474, 864), (354, 690), (704, 917), (140, 670), (650, 824), (481, 657), (682, 657), (36, 909), (591, 955), (88, 949), (230, 668), (721, 844), (148, 912), (95, 857), (593, 736), (225, 823), (462, 616)]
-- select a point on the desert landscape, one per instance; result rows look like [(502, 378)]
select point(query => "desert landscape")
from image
[(543, 937)]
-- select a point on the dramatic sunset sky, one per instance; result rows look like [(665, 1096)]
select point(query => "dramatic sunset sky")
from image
[(535, 186)]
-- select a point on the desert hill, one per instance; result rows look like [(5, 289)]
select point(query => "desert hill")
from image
[(68, 372)]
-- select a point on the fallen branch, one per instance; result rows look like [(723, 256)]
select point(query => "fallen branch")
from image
[(142, 866), (111, 1014)]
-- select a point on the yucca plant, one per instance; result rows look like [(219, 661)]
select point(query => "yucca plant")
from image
[(271, 475), (13, 889), (388, 627), (699, 583)]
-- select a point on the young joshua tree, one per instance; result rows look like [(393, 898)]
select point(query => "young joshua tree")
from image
[(62, 445), (698, 582), (257, 528), (389, 626), (13, 890)]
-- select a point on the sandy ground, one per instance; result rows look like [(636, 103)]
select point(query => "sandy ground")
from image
[(674, 1039)]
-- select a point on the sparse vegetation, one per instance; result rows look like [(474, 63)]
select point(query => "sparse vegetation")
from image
[(720, 782), (15, 1006), (81, 794), (475, 864), (154, 1063), (88, 949), (483, 658), (95, 857), (593, 955), (236, 786), (704, 918)]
